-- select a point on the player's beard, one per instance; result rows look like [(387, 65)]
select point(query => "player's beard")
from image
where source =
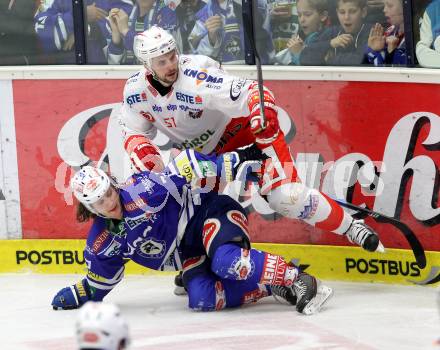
[(165, 80)]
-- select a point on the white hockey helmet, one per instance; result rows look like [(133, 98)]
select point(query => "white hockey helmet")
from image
[(153, 42), (101, 326), (89, 184)]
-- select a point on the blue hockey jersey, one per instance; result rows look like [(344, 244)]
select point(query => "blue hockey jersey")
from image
[(157, 209)]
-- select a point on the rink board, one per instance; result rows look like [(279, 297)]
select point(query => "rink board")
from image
[(326, 262)]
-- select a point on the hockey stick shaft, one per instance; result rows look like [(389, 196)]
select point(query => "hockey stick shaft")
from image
[(416, 246), (249, 28)]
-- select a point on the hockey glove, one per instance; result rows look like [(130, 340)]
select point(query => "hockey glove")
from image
[(144, 155), (244, 163), (265, 131), (72, 297)]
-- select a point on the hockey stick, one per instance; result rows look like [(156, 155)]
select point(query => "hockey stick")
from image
[(414, 243), (416, 246), (248, 15)]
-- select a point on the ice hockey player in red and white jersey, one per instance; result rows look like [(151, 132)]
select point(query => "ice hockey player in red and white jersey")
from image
[(197, 105)]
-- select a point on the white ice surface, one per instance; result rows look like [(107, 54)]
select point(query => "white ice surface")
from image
[(359, 316)]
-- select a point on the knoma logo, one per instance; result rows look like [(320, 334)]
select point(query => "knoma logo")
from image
[(383, 267), (47, 257)]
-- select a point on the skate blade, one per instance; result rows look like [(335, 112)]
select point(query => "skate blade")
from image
[(380, 248), (323, 294), (180, 291)]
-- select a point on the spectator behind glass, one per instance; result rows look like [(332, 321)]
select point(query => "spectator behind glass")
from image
[(54, 27), (344, 44), (428, 48), (184, 12), (18, 42), (144, 15), (218, 32), (313, 17), (283, 21), (374, 12), (388, 48)]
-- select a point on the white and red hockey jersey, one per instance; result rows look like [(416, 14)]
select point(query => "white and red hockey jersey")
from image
[(194, 114)]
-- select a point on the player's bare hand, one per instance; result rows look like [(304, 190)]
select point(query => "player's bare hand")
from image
[(376, 40), (343, 40), (295, 44), (95, 13), (392, 43)]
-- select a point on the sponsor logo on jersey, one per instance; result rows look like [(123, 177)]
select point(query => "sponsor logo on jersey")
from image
[(151, 248), (134, 75), (227, 136), (99, 241), (197, 143), (136, 204), (202, 76), (132, 223), (212, 86), (382, 267), (180, 96), (310, 208), (94, 276), (136, 98), (195, 114), (157, 108), (133, 78), (254, 295), (273, 270), (185, 60), (236, 87), (208, 168), (184, 167), (148, 116), (113, 249)]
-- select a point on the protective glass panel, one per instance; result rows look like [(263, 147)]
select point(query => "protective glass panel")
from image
[(53, 24), (337, 32), (426, 28), (212, 27), (23, 33)]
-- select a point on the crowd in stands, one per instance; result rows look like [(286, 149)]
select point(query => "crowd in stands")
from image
[(294, 32)]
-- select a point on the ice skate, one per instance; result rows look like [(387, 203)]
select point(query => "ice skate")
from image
[(284, 294), (311, 294), (364, 235), (179, 289)]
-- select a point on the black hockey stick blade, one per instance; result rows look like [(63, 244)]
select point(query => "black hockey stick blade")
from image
[(416, 246)]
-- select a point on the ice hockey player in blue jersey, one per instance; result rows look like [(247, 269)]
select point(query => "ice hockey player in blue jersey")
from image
[(164, 221)]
